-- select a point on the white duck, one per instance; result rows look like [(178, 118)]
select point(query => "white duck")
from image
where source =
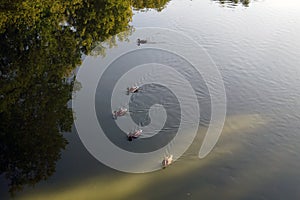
[(167, 161)]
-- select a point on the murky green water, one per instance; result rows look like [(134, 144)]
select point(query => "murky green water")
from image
[(256, 47)]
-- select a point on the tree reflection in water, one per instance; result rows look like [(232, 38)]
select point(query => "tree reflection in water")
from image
[(232, 3), (144, 5), (42, 42)]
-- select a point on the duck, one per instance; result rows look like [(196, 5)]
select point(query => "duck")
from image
[(133, 89), (139, 41), (119, 113), (167, 161), (135, 134)]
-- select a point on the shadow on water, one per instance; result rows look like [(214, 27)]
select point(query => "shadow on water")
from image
[(41, 44)]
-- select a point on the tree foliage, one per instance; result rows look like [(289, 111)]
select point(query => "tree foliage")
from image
[(42, 41), (158, 5)]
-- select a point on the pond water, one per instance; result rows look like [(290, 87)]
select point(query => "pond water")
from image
[(256, 48)]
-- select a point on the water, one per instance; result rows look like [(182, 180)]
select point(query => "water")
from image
[(257, 50)]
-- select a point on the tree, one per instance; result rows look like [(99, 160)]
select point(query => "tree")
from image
[(158, 5), (36, 56), (41, 43)]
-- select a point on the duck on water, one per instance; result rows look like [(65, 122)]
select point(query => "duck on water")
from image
[(135, 134), (133, 89), (167, 161), (119, 113), (139, 41)]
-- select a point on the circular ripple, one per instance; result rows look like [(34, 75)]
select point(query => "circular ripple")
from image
[(171, 71)]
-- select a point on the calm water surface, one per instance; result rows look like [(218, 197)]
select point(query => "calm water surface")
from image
[(257, 50)]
